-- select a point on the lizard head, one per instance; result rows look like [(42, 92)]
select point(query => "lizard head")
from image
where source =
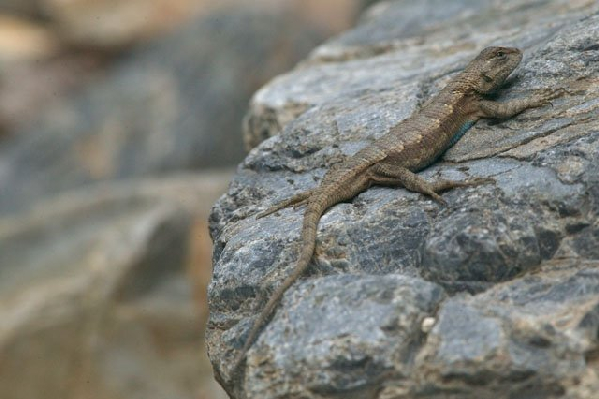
[(492, 67)]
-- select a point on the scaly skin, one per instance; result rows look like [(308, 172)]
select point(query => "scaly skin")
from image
[(408, 147)]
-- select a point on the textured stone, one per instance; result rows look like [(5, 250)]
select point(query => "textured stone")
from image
[(533, 335), (386, 314), (417, 46), (513, 264)]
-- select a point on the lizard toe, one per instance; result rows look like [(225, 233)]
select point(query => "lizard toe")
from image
[(438, 198)]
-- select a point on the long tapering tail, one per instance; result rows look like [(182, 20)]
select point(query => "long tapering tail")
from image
[(314, 211)]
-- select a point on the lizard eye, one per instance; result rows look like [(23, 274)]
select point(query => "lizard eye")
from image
[(500, 54)]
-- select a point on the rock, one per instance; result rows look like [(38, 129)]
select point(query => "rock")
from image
[(533, 337), (332, 16), (109, 23), (33, 71), (95, 295), (30, 8), (513, 265), (392, 44), (175, 105), (22, 40), (386, 317), (28, 87), (386, 27), (113, 24)]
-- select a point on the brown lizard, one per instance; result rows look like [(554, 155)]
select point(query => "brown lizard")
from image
[(408, 147)]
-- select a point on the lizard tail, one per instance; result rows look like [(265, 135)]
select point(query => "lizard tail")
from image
[(314, 211)]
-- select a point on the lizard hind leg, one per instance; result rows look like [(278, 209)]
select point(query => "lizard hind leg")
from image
[(444, 185), (389, 174), (295, 201)]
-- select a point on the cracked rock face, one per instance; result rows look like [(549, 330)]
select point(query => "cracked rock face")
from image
[(495, 295)]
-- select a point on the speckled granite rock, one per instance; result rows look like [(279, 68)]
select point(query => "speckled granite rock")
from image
[(508, 273)]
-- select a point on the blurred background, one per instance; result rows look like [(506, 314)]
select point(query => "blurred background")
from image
[(120, 125)]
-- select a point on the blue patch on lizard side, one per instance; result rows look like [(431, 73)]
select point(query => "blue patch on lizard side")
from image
[(461, 131), (456, 137)]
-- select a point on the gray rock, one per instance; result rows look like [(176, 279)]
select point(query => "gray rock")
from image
[(173, 105), (517, 260), (532, 337), (421, 47), (386, 313), (30, 8), (95, 294), (385, 26)]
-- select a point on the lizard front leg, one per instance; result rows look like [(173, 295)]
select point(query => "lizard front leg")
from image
[(505, 110), (389, 174)]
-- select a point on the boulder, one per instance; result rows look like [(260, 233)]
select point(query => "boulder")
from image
[(494, 295), (22, 7), (110, 23), (101, 295), (173, 105)]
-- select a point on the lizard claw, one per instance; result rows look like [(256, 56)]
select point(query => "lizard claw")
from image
[(300, 204), (545, 96), (438, 199)]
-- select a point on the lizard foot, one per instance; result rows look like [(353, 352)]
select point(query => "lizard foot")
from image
[(438, 198), (444, 185), (545, 96)]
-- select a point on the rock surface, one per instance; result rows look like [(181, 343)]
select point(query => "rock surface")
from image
[(496, 295), (115, 23), (98, 297), (51, 48), (106, 23), (21, 7)]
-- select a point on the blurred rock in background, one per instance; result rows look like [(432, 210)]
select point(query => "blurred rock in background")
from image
[(102, 293), (120, 123), (170, 105)]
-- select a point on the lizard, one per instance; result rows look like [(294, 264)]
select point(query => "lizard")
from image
[(408, 147)]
